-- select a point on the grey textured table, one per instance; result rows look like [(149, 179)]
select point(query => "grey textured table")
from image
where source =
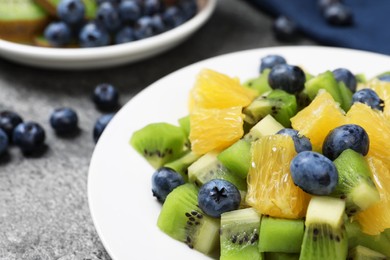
[(44, 210)]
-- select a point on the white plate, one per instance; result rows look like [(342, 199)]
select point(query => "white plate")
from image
[(103, 57), (119, 190)]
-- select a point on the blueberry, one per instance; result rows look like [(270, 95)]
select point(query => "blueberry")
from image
[(344, 137), (108, 16), (64, 120), (301, 142), (314, 173), (58, 34), (29, 137), (164, 180), (4, 141), (347, 77), (218, 196), (152, 7), (106, 97), (173, 17), (71, 11), (125, 34), (158, 24), (369, 97), (285, 29), (114, 2), (385, 77), (129, 11), (92, 35), (287, 77), (8, 121), (338, 14), (269, 61), (100, 125), (144, 28), (189, 8)]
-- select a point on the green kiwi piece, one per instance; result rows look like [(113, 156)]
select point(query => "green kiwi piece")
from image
[(208, 167), (346, 96), (181, 164), (266, 126), (325, 236), (325, 81), (237, 157), (354, 184), (239, 235), (184, 123), (361, 78), (280, 256), (159, 143), (260, 84), (278, 103), (51, 7), (281, 235), (364, 253), (183, 220)]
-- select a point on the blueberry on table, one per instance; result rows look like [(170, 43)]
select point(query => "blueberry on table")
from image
[(8, 121), (71, 11), (269, 61), (4, 141), (218, 196), (345, 137), (301, 142), (29, 137), (347, 77), (164, 180), (100, 125), (285, 29), (108, 16), (369, 97), (92, 35), (64, 121), (314, 173), (338, 14), (58, 34), (106, 97), (129, 11), (287, 77)]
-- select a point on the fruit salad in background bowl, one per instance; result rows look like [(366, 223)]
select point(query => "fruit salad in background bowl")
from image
[(186, 222), (76, 34)]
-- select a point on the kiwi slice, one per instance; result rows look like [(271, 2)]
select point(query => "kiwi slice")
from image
[(325, 236), (354, 184), (280, 256), (51, 7), (278, 103), (208, 167), (21, 20), (260, 84), (266, 126), (364, 253), (346, 96), (183, 220), (184, 123), (159, 143), (239, 235), (281, 235), (325, 81), (181, 164)]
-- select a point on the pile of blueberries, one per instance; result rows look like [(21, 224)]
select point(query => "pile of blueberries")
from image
[(30, 136), (116, 21)]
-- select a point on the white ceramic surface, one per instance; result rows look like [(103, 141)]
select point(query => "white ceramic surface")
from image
[(119, 190), (103, 57)]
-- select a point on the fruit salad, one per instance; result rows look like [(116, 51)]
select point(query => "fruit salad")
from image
[(287, 165)]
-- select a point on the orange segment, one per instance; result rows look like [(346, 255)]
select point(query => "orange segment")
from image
[(216, 90), (271, 190), (376, 218), (316, 120), (215, 129)]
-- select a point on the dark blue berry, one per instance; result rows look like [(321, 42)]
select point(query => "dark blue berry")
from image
[(285, 29), (4, 141), (189, 8), (114, 2), (369, 97), (347, 77), (287, 77), (29, 137), (108, 16), (106, 97), (152, 7), (218, 196), (8, 121), (158, 24), (144, 28), (269, 61), (301, 142), (345, 137), (173, 17), (314, 173), (164, 180), (64, 120), (129, 11), (100, 125), (125, 34), (58, 34), (92, 35), (71, 11), (338, 14), (385, 77)]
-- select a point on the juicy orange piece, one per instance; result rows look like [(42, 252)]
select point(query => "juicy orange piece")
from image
[(215, 129), (376, 218), (216, 90), (271, 190), (317, 119)]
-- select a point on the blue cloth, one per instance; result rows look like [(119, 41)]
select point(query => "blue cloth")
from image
[(370, 31)]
